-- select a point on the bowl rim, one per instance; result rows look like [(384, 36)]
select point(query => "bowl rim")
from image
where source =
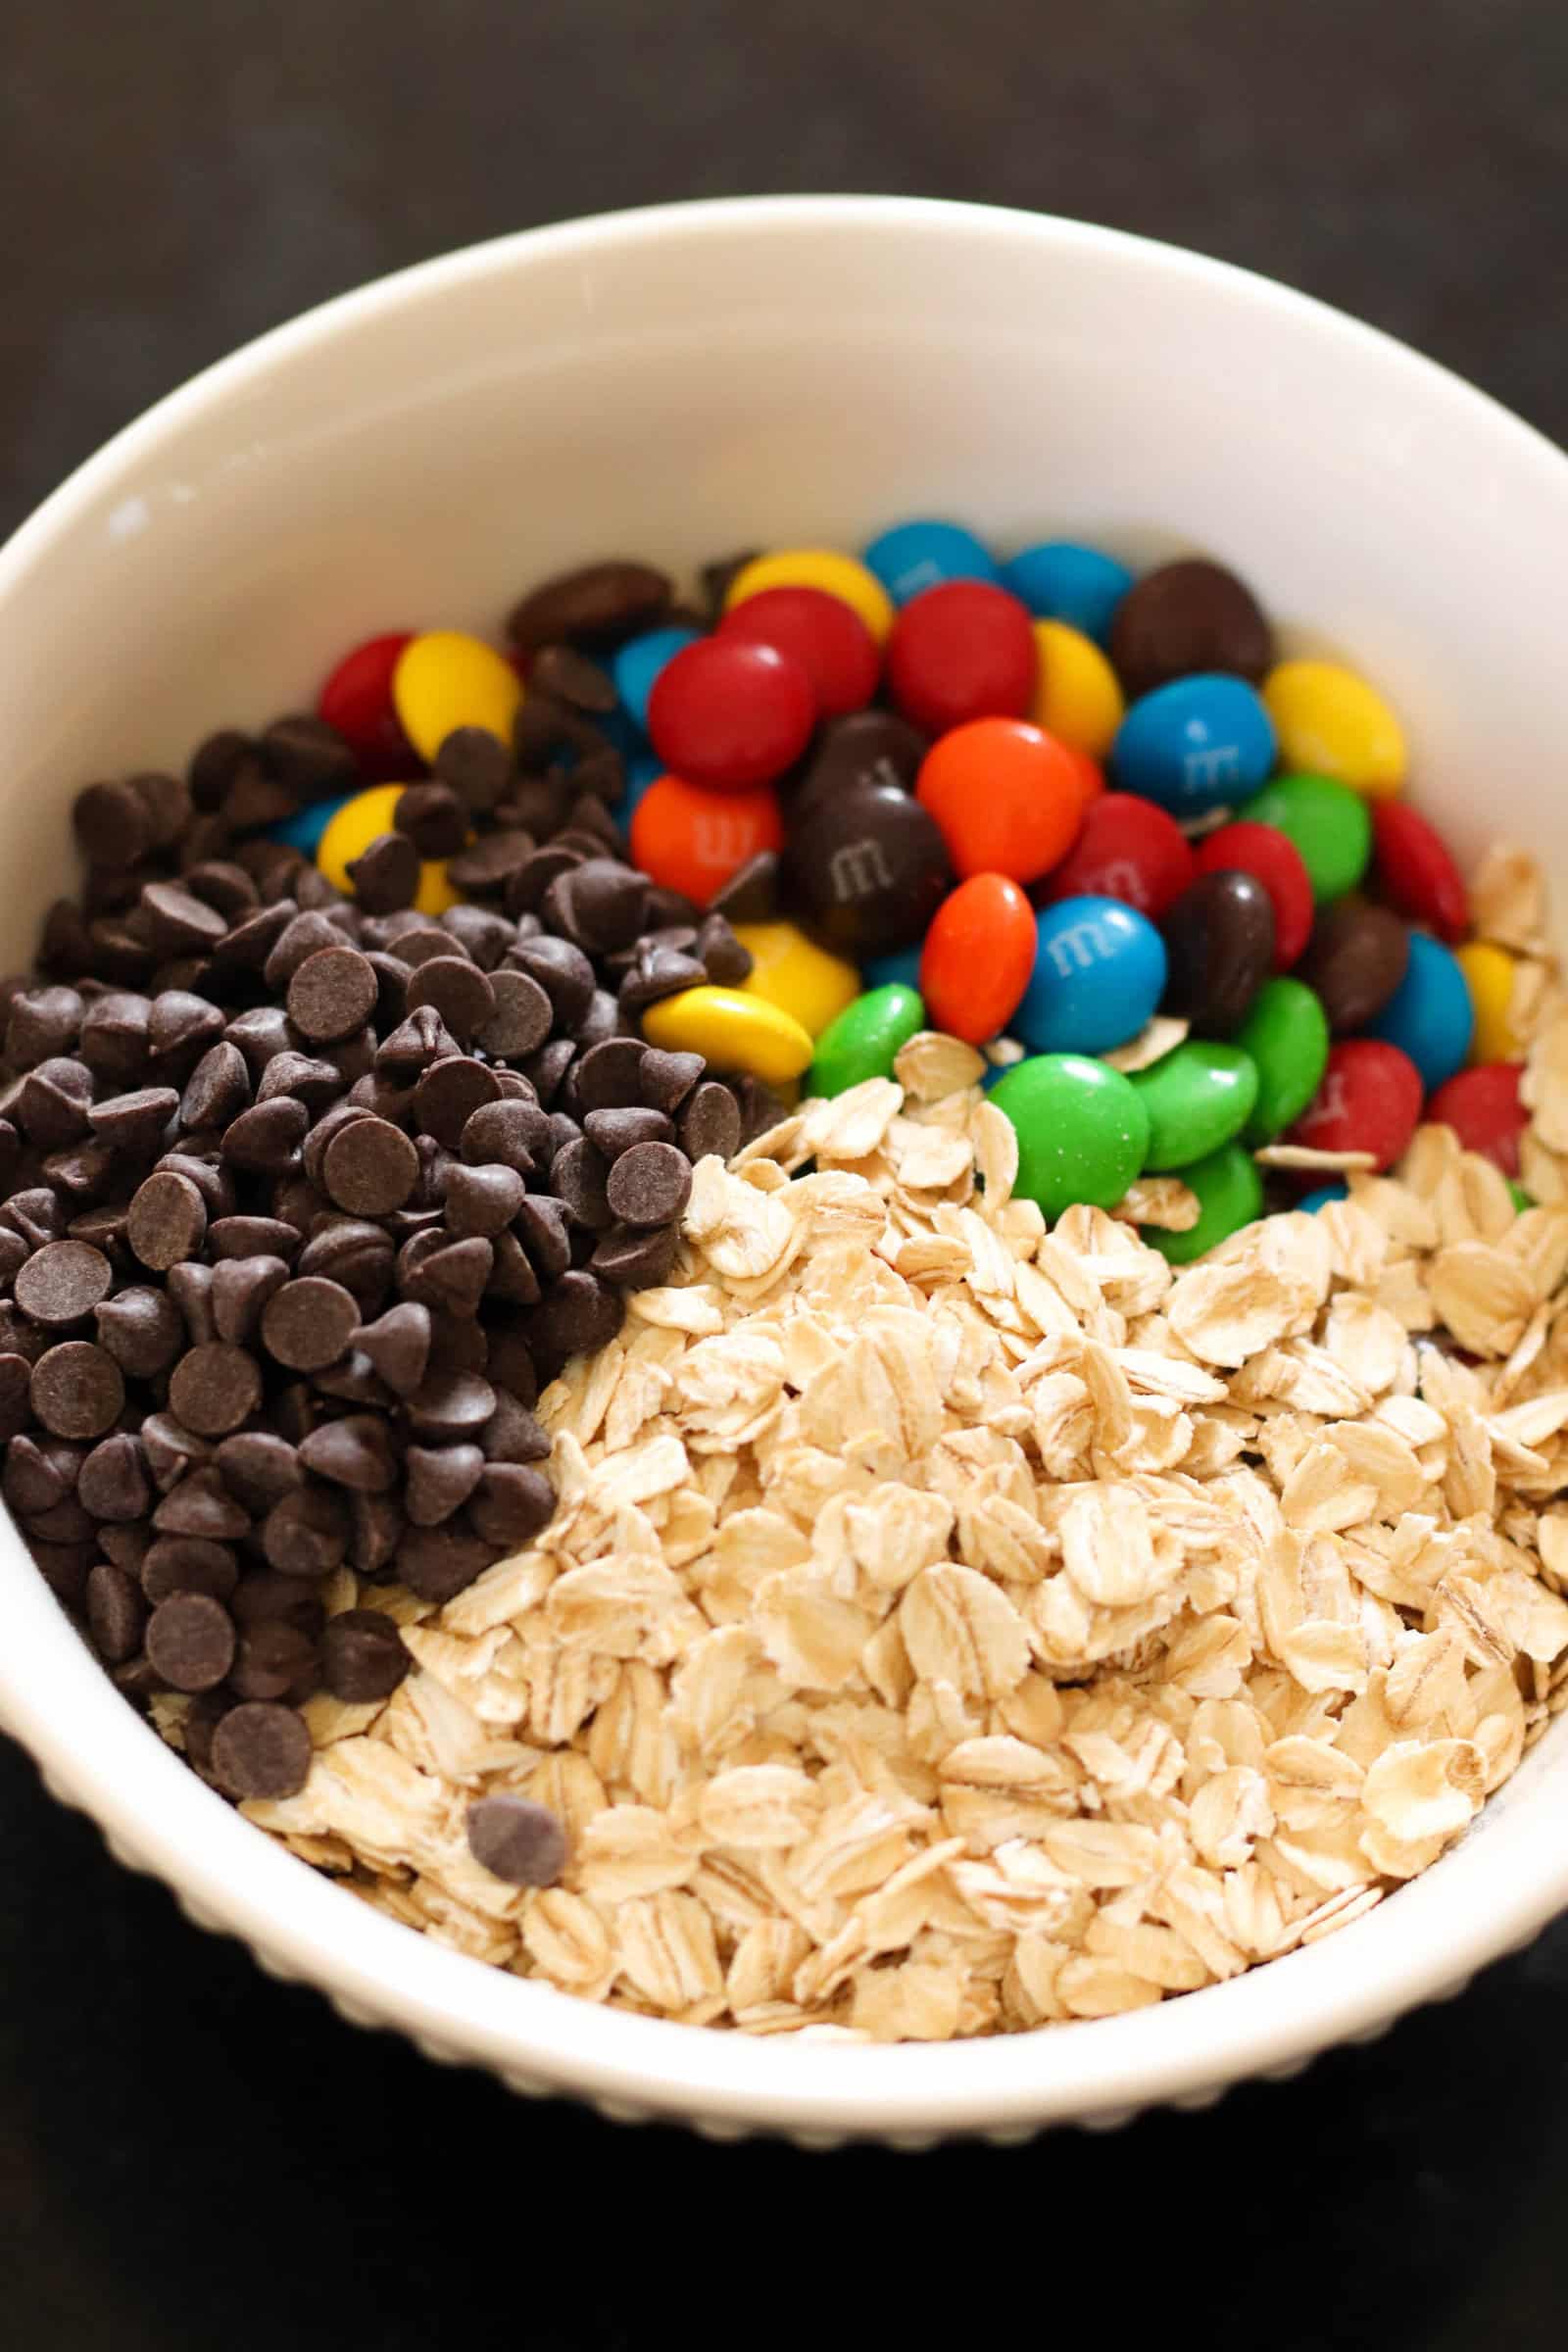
[(1272, 2019)]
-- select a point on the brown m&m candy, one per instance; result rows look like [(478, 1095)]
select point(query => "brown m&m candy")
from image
[(868, 868)]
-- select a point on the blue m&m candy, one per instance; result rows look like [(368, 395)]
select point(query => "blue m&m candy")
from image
[(1099, 972), (915, 556), (304, 829), (1430, 1016), (1198, 743), (1059, 580), (637, 665), (902, 966), (1312, 1202)]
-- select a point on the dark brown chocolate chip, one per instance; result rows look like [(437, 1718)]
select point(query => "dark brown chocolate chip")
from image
[(215, 1388), (363, 1656), (710, 1122), (355, 1253), (136, 1122), (610, 1074), (577, 1179), (460, 992), (387, 875), (511, 1502), (113, 1483), (545, 1232), (581, 1313), (436, 1563), (37, 1477), (308, 755), (271, 1659), (751, 893), (517, 1841), (265, 1138), (635, 1259), (440, 1480), (43, 1022), (512, 1133), (178, 921), (571, 677), (477, 766), (188, 1564), (480, 1200), (112, 824), (450, 1408), (141, 1330), (239, 1290), (16, 1395), (77, 1389), (190, 1641), (312, 932), (562, 970), (223, 885), (659, 973), (259, 1467), (314, 1081), (398, 1346), (54, 1102), (116, 1613), (597, 606), (217, 1089), (62, 1283), (513, 1435), (260, 1034), (1185, 618), (650, 1184), (511, 1277), (1355, 958), (433, 818), (331, 994), (613, 1132), (601, 905), (519, 1018), (665, 1080), (720, 954), (449, 1093), (262, 1750), (370, 1167), (759, 1108), (309, 1323), (414, 1046), (356, 1453), (171, 1450), (487, 868), (448, 1276), (191, 1288), (306, 1532)]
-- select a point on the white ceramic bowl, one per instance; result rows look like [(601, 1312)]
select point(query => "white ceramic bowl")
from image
[(681, 383)]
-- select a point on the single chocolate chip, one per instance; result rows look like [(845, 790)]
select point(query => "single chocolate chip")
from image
[(54, 1102), (562, 970), (356, 1451), (582, 1313), (35, 1215), (398, 1346), (511, 1503), (309, 1323), (545, 1232), (433, 820), (190, 1641), (190, 1286), (711, 1123), (485, 870), (179, 923), (659, 973), (449, 1093), (480, 1200), (512, 1133), (363, 1656), (460, 992), (77, 1389), (310, 933), (259, 1467), (306, 1532), (517, 1841), (751, 893), (215, 1388), (613, 1132), (188, 1564), (519, 1018), (370, 1167), (141, 1330), (634, 1258), (376, 1527), (35, 1476), (262, 1750), (414, 1046), (387, 875), (251, 1237), (271, 1659), (249, 946), (357, 1255), (16, 1395), (225, 886), (450, 1408), (1219, 948), (355, 1381), (530, 882), (1186, 617), (440, 1480), (265, 1138), (600, 1023), (116, 1613), (483, 935), (513, 1435), (314, 1081), (136, 1122), (650, 1184), (113, 1483), (597, 606), (1355, 958), (62, 1283), (260, 1034), (448, 1276), (759, 1108), (43, 1022), (331, 994), (436, 1563), (112, 824), (578, 1180), (310, 757), (720, 954), (665, 1080), (217, 1089), (601, 905), (511, 1277), (171, 1450), (561, 671), (477, 766), (610, 1074)]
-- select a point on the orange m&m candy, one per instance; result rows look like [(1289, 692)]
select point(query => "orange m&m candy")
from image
[(978, 955), (692, 840), (1007, 797)]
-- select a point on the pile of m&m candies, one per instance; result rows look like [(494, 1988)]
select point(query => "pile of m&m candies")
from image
[(1041, 800)]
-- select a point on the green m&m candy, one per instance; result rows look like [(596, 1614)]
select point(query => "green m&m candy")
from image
[(1197, 1097), (1081, 1130), (864, 1039), (1286, 1035), (1330, 824), (1230, 1194)]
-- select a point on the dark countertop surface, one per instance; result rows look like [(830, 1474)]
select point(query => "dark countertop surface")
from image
[(191, 2155)]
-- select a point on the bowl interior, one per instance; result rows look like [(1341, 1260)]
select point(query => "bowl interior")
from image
[(685, 384)]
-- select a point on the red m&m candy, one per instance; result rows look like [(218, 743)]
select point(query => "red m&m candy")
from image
[(693, 841), (1128, 850), (1271, 857), (1482, 1107), (729, 715), (1006, 796), (960, 651), (1416, 870), (978, 955), (822, 633), (357, 699), (1370, 1100)]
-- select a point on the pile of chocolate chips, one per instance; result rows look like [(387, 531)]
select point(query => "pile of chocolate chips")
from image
[(308, 1196)]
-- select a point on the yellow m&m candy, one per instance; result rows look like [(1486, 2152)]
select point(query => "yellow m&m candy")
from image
[(1488, 975), (444, 679), (793, 972), (1332, 724), (733, 1031), (818, 568), (352, 830), (1078, 699)]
